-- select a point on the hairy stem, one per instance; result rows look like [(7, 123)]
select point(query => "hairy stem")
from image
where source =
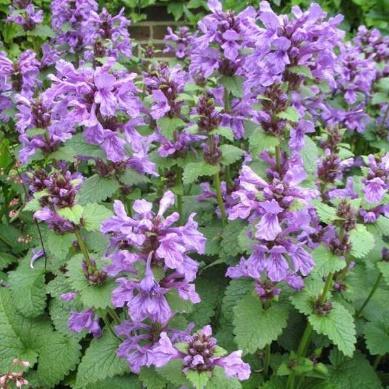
[(368, 298), (83, 249), (219, 197)]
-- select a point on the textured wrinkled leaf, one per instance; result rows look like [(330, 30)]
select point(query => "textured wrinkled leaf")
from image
[(230, 154), (355, 373), (377, 337), (220, 380), (151, 379), (28, 290), (326, 262), (230, 238), (93, 215), (172, 372), (362, 241), (384, 269), (57, 356), (255, 327), (169, 125), (289, 114), (96, 188), (338, 325), (97, 296), (310, 154), (194, 170), (118, 382), (225, 132), (234, 85), (72, 214), (100, 361), (198, 379), (259, 141), (326, 213)]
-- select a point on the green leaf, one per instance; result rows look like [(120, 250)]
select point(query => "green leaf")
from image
[(326, 213), (60, 311), (384, 269), (97, 296), (233, 84), (259, 141), (310, 154), (220, 380), (383, 225), (93, 215), (230, 238), (356, 373), (230, 154), (326, 262), (289, 114), (172, 372), (177, 304), (118, 382), (42, 31), (12, 345), (58, 245), (169, 125), (72, 214), (338, 325), (28, 290), (6, 259), (96, 188), (362, 241), (377, 337), (150, 379), (199, 380), (100, 361), (301, 71), (304, 300), (255, 327), (225, 132), (194, 170), (131, 177), (79, 147), (57, 356), (379, 98)]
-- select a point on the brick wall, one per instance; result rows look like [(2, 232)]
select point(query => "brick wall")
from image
[(152, 30)]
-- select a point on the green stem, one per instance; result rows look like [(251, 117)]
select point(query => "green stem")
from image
[(113, 315), (83, 248), (267, 360), (278, 157), (375, 286), (219, 197), (306, 338), (179, 196)]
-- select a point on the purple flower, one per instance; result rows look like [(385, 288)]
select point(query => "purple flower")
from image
[(269, 227), (178, 42), (69, 296), (85, 320), (234, 367), (27, 17)]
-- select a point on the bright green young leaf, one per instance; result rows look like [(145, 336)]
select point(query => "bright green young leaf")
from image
[(194, 170), (289, 114), (233, 84), (362, 241), (198, 380), (326, 262), (94, 215), (231, 154), (96, 188), (377, 337), (72, 214), (255, 327)]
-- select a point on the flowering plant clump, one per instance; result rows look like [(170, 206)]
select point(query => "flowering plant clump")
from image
[(219, 219)]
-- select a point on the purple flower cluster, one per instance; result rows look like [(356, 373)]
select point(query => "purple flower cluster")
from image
[(55, 191), (25, 14), (178, 42), (200, 353), (279, 231), (376, 184)]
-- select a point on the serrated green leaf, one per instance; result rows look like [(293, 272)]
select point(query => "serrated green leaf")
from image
[(6, 259), (303, 301), (96, 188), (194, 170), (301, 71), (377, 337), (60, 311), (42, 31), (230, 154), (233, 84), (28, 290), (198, 380), (57, 356), (151, 379), (384, 269), (220, 380), (355, 373), (383, 225), (118, 382), (97, 296), (230, 238), (131, 177), (289, 114), (100, 361), (93, 215), (172, 372), (326, 262), (72, 214), (177, 304), (169, 125), (255, 327), (338, 325), (326, 213), (259, 141), (362, 241), (12, 344), (225, 132), (58, 245), (310, 154)]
